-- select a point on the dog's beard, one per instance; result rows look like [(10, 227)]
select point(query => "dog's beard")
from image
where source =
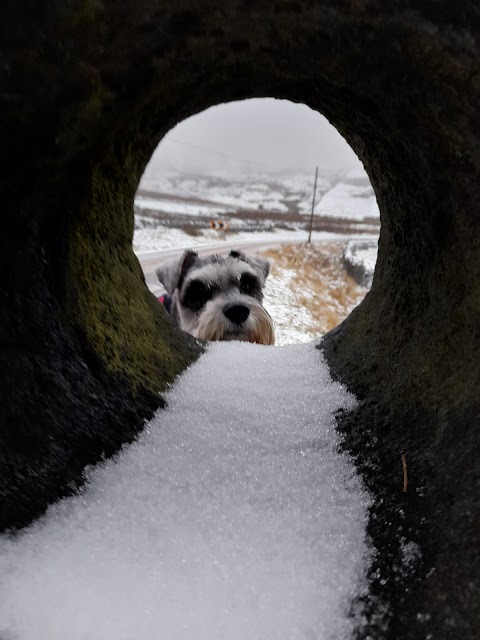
[(257, 328)]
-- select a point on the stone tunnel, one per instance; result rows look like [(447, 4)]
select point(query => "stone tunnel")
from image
[(88, 89)]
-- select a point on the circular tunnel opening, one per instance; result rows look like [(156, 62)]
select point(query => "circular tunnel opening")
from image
[(88, 91), (268, 177)]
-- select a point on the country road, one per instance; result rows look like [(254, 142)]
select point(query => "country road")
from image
[(150, 260)]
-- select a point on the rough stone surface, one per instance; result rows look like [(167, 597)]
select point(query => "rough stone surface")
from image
[(89, 87)]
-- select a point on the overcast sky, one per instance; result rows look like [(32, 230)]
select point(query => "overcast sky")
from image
[(253, 135)]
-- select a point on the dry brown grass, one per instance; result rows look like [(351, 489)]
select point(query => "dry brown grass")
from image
[(320, 282)]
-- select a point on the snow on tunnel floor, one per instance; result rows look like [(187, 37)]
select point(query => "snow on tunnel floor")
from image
[(231, 517)]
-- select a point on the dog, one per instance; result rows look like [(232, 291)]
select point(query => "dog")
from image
[(219, 297)]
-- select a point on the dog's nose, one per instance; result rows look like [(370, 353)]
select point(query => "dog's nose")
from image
[(236, 313)]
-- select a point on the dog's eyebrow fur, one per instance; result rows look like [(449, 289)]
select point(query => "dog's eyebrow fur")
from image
[(207, 273), (213, 272)]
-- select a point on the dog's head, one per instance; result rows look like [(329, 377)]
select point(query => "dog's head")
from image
[(219, 297)]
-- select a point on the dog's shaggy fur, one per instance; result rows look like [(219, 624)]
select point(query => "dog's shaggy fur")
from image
[(219, 297)]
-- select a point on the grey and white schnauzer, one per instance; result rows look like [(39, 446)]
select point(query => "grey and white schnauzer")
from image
[(219, 297)]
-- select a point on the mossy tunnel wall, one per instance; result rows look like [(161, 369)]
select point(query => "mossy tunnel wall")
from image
[(88, 88)]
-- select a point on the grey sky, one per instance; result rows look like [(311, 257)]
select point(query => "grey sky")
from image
[(253, 135)]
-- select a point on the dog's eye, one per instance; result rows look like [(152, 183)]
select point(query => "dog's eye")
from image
[(249, 284), (197, 295)]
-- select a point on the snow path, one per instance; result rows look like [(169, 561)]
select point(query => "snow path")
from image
[(231, 517)]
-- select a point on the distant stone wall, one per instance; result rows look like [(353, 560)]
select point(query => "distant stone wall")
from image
[(87, 90)]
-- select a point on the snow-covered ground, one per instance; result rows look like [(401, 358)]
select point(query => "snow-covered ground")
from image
[(309, 291), (348, 201), (237, 191), (147, 239), (348, 196), (289, 318), (151, 240), (232, 517), (178, 207)]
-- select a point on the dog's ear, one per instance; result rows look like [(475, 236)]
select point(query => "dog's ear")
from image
[(172, 274)]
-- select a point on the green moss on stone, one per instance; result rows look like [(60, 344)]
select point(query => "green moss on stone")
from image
[(108, 300)]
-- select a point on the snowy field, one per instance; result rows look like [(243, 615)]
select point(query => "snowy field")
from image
[(178, 207), (151, 240), (309, 291), (288, 318), (273, 192), (232, 517), (347, 195), (348, 201)]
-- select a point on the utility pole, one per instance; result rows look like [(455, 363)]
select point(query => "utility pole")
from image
[(313, 205)]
